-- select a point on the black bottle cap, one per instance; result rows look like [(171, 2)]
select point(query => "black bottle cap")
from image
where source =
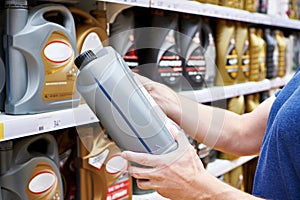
[(85, 58)]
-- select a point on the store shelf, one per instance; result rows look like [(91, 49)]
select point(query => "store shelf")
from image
[(220, 166), (210, 10), (16, 126), (224, 92)]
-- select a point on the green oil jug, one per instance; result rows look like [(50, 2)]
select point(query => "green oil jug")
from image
[(41, 73)]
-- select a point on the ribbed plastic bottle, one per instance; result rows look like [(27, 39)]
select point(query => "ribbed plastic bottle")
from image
[(122, 38), (251, 5), (242, 48), (271, 53), (227, 60), (282, 52), (89, 33), (262, 56), (40, 59), (33, 162), (157, 48), (257, 56), (103, 172)]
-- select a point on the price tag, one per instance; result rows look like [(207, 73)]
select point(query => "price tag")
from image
[(1, 130), (48, 123)]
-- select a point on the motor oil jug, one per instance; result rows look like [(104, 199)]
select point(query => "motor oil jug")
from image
[(271, 53), (228, 3), (251, 5), (210, 53), (289, 53), (103, 172), (227, 60), (257, 55), (33, 163), (129, 114), (157, 48), (282, 52), (192, 51), (263, 6), (122, 38), (89, 33), (40, 54), (252, 101), (242, 49)]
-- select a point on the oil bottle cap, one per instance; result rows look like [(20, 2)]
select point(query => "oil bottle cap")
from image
[(85, 58)]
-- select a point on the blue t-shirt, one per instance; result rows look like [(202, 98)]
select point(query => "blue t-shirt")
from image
[(278, 170)]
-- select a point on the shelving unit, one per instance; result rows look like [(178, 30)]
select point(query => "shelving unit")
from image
[(209, 10), (225, 92), (12, 127), (16, 126)]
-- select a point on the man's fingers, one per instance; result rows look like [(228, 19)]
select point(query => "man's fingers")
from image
[(141, 158)]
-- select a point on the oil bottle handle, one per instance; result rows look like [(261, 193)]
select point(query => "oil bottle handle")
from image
[(23, 150), (68, 22), (89, 18)]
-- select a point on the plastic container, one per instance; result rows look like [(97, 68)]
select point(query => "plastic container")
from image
[(282, 47), (242, 48), (122, 38), (227, 59), (127, 111), (89, 33), (157, 49), (33, 163), (40, 54), (103, 172), (271, 53)]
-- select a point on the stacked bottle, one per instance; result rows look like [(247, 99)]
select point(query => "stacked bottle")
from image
[(227, 59)]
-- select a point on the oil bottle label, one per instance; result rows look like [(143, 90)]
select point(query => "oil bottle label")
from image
[(60, 70), (97, 161), (44, 183), (246, 59), (91, 42), (232, 60), (196, 67), (170, 67), (121, 189)]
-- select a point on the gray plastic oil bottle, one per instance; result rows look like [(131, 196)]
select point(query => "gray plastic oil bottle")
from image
[(33, 164), (41, 74), (127, 111)]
